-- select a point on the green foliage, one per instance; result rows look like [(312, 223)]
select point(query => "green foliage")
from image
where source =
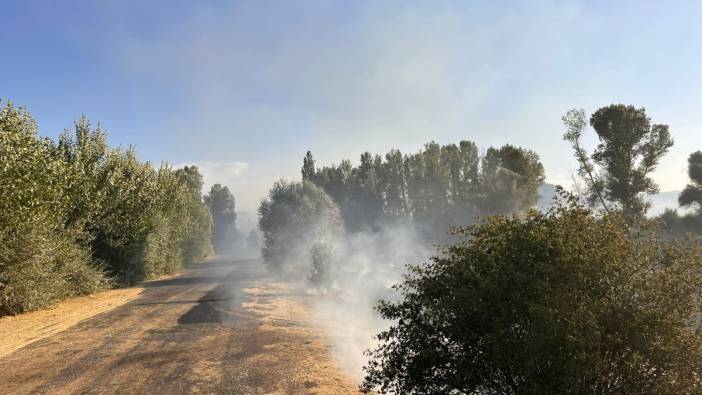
[(322, 255), (40, 259), (556, 302), (629, 150), (197, 243), (308, 167), (293, 218), (437, 186), (223, 209), (677, 225), (691, 196), (78, 214), (511, 178), (40, 266)]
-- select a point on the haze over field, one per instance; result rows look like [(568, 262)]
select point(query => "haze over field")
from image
[(433, 197), (243, 89)]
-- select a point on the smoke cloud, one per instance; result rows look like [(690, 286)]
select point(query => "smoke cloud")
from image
[(368, 264)]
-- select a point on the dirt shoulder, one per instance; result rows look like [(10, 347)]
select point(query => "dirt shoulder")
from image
[(20, 330)]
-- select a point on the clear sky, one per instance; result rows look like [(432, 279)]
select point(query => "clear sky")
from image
[(245, 88)]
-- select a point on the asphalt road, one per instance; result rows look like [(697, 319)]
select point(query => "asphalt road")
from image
[(187, 334)]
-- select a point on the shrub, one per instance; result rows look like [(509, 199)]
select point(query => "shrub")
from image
[(39, 267), (322, 256), (556, 302)]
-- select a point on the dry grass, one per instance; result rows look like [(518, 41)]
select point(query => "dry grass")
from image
[(287, 319), (20, 330)]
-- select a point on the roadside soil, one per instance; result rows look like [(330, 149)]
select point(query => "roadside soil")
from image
[(224, 326)]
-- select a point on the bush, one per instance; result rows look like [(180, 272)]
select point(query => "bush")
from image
[(322, 255), (557, 302), (293, 218), (39, 267)]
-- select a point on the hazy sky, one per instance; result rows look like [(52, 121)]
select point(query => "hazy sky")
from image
[(245, 88)]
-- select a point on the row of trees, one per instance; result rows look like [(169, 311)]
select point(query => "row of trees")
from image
[(303, 223), (436, 186), (77, 215)]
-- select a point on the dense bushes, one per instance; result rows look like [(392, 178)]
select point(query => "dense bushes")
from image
[(558, 302), (76, 215)]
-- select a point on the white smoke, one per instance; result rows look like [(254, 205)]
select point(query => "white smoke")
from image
[(367, 266)]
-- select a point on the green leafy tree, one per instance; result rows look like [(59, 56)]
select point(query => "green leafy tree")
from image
[(394, 184), (308, 170), (293, 218), (692, 194), (41, 259), (556, 302), (510, 180), (77, 215), (223, 208), (197, 243), (435, 187), (629, 150)]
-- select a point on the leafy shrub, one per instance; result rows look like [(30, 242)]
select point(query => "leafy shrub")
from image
[(39, 267), (322, 255), (556, 302)]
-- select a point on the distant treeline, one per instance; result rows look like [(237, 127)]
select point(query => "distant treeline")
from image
[(690, 197), (439, 185), (77, 215)]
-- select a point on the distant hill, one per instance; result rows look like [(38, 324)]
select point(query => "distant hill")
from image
[(659, 201)]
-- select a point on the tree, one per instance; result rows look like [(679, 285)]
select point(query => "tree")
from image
[(78, 215), (41, 257), (629, 150), (558, 302), (223, 209), (293, 218), (308, 171), (575, 123), (692, 194), (394, 184), (197, 243), (510, 180)]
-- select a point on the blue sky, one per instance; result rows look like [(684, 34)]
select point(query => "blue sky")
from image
[(245, 88)]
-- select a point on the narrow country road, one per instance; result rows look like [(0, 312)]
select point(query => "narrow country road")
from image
[(220, 327)]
